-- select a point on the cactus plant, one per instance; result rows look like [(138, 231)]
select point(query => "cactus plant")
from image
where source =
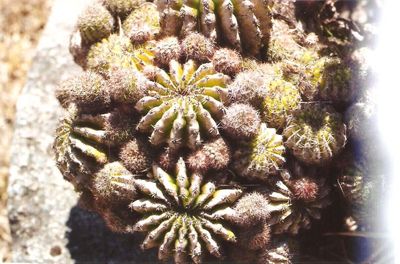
[(181, 212), (315, 133), (262, 157), (282, 99), (243, 25), (182, 107), (296, 199), (95, 23)]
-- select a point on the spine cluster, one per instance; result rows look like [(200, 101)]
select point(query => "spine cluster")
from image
[(206, 125)]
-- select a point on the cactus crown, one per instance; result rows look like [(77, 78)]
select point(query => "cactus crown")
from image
[(181, 212), (183, 105)]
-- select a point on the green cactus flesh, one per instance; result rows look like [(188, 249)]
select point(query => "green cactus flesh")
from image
[(244, 24), (183, 217), (183, 106)]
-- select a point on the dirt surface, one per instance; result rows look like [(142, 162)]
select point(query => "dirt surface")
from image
[(21, 23)]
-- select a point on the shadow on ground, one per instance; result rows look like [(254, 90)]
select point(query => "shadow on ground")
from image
[(90, 241)]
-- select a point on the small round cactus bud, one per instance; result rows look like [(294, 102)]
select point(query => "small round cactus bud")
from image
[(167, 159), (167, 49), (88, 91), (315, 134), (282, 99), (126, 86), (241, 121), (227, 61), (143, 24), (122, 8), (256, 237), (305, 189), (252, 209), (95, 23), (250, 86), (197, 47), (262, 157), (214, 155), (114, 184), (136, 157), (338, 81)]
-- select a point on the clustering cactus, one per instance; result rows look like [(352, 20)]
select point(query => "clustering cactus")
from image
[(208, 125)]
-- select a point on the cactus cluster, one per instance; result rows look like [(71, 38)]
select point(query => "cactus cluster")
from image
[(206, 125)]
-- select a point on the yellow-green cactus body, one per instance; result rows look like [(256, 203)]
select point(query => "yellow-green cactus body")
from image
[(95, 23), (263, 157), (117, 52), (315, 134), (143, 23), (282, 99), (183, 106), (183, 216), (81, 144), (122, 8), (243, 24)]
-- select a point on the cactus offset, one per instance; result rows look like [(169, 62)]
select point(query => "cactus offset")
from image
[(262, 157), (315, 134), (183, 215), (182, 108), (243, 25)]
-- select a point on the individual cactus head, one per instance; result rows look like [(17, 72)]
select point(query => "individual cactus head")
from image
[(227, 61), (143, 24), (95, 23), (243, 25), (249, 86), (197, 47), (88, 91), (305, 189), (117, 52), (361, 185), (182, 108), (122, 8), (315, 134), (262, 157), (241, 121), (136, 156), (297, 194), (125, 86), (213, 155), (338, 82), (251, 210), (113, 184), (166, 50), (282, 99), (255, 238), (183, 216)]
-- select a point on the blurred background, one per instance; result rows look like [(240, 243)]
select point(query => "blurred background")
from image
[(21, 22)]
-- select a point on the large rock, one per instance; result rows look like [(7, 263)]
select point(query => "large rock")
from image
[(46, 224)]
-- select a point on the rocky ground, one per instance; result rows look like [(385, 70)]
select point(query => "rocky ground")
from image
[(21, 23)]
